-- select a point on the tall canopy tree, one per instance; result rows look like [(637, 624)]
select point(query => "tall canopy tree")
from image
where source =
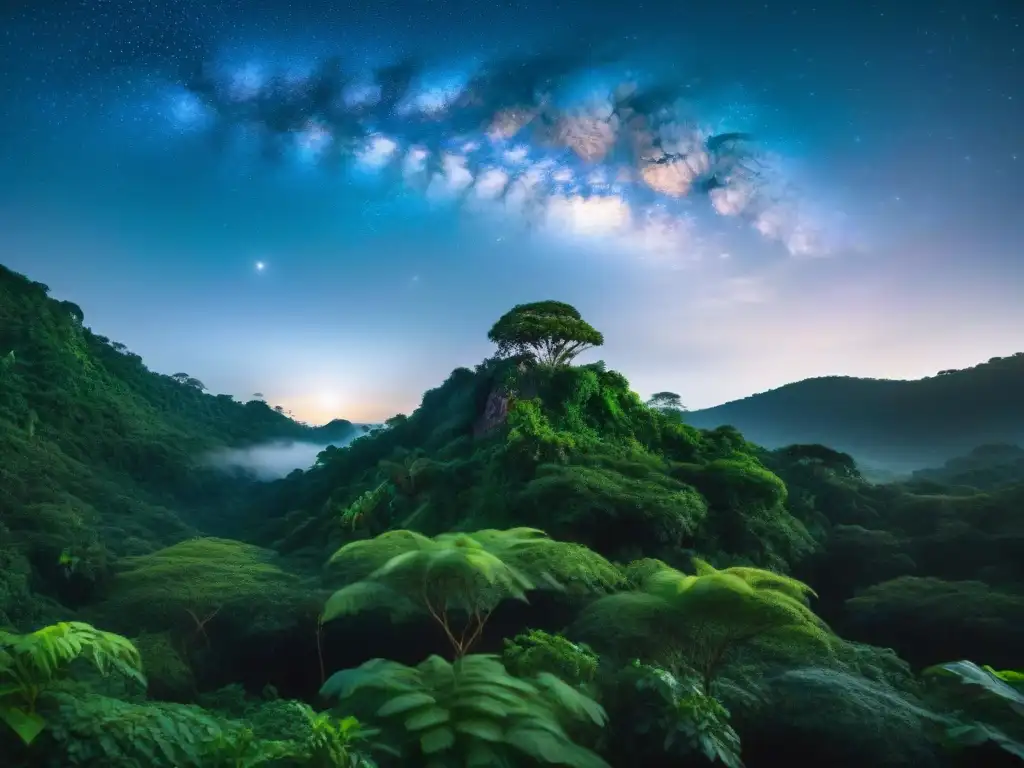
[(552, 332)]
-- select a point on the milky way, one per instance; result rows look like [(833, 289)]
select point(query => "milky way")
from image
[(539, 139)]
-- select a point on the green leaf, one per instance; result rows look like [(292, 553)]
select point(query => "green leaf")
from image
[(427, 718), (971, 674), (404, 703), (481, 756), (437, 740), (486, 730), (26, 724)]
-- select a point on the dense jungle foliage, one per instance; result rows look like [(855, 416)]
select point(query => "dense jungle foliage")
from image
[(534, 567)]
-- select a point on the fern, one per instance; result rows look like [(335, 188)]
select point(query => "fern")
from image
[(334, 743), (359, 510), (471, 712), (699, 620), (30, 664), (95, 730), (241, 748), (460, 578)]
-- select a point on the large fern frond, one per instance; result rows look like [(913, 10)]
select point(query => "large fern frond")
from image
[(470, 710), (31, 663), (42, 655)]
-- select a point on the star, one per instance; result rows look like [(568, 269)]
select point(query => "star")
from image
[(260, 266)]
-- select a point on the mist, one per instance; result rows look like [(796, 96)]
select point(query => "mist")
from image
[(273, 460)]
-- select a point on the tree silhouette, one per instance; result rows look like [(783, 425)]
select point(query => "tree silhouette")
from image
[(665, 401)]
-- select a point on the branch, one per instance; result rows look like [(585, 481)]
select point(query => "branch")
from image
[(481, 621), (442, 619)]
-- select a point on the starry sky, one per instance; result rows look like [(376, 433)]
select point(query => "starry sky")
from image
[(330, 203)]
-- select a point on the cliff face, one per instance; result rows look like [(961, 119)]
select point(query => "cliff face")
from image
[(494, 414)]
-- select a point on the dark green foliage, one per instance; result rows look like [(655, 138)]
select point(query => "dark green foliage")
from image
[(198, 585), (92, 730), (470, 713), (32, 664), (928, 620), (658, 713), (695, 623), (855, 556), (537, 651), (821, 456), (606, 506), (850, 720), (168, 673), (578, 454), (748, 514), (18, 607), (100, 456), (109, 513), (987, 467), (974, 536), (96, 730)]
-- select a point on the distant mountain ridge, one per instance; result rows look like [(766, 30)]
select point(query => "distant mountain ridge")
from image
[(901, 424)]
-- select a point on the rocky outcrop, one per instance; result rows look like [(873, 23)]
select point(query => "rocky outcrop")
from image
[(494, 414)]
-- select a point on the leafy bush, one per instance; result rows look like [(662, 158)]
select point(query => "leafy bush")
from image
[(537, 651), (472, 712), (696, 622), (31, 664)]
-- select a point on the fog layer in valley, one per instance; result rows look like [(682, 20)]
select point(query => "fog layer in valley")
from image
[(270, 461)]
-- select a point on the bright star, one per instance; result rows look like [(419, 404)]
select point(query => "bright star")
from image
[(260, 266)]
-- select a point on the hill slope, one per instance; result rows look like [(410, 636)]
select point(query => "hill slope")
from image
[(100, 456), (987, 468), (682, 663), (900, 424)]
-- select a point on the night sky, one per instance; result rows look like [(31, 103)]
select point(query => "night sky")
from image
[(330, 203)]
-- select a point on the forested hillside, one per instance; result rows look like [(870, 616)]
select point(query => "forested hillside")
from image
[(101, 457), (533, 568), (987, 467), (902, 425)]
